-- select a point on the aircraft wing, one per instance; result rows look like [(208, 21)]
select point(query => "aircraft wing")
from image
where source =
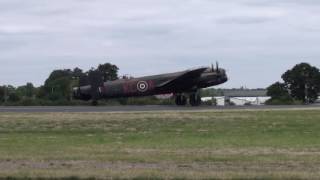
[(185, 80)]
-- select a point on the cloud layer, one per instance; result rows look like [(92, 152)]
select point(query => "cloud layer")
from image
[(255, 41)]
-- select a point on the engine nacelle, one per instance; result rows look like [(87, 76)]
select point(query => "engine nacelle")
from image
[(80, 96)]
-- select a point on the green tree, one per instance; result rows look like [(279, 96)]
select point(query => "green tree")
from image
[(11, 93), (2, 93), (108, 71), (278, 90), (79, 78), (14, 97), (303, 82), (41, 92), (58, 85), (30, 90), (279, 94), (26, 91), (77, 72)]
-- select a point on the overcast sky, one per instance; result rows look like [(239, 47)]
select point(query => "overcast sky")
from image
[(255, 40)]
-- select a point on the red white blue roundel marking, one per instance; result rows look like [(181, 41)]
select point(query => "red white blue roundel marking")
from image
[(142, 86)]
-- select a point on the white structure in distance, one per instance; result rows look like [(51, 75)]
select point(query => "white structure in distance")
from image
[(237, 101)]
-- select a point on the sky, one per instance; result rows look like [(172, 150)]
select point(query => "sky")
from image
[(256, 41)]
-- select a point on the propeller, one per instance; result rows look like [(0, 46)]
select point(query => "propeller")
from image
[(96, 81), (217, 66), (212, 67)]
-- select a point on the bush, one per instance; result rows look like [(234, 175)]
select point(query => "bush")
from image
[(55, 97), (140, 101), (28, 102), (283, 101), (13, 97), (108, 102)]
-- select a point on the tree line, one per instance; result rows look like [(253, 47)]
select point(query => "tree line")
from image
[(301, 85), (57, 89)]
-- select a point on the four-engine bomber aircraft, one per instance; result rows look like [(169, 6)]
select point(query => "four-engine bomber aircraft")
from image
[(183, 85)]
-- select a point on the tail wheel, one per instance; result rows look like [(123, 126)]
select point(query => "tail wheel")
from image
[(195, 100), (181, 100)]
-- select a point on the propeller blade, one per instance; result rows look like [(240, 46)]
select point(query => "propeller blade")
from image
[(96, 81), (212, 67), (217, 66)]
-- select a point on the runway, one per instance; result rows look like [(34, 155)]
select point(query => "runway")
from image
[(79, 109)]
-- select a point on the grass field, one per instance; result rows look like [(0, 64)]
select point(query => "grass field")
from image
[(266, 144)]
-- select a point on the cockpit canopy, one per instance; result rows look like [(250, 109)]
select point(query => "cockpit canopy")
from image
[(215, 70)]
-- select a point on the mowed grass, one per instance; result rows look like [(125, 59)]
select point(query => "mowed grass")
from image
[(273, 144)]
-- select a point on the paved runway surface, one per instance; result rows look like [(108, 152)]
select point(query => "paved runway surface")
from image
[(140, 108)]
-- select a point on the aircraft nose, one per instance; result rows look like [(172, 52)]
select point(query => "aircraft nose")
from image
[(224, 77)]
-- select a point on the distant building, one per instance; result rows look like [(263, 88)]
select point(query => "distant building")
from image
[(220, 100), (318, 101), (245, 92), (241, 97), (241, 101)]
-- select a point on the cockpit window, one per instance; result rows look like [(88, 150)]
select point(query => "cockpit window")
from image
[(209, 70)]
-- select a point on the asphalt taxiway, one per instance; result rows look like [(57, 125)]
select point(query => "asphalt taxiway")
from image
[(75, 109)]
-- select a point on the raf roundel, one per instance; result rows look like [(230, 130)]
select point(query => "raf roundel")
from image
[(142, 86)]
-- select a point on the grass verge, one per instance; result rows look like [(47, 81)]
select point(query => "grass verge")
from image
[(264, 144)]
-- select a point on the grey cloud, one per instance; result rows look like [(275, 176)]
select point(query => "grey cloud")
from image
[(13, 5), (282, 2), (147, 37), (20, 29), (244, 20), (136, 31), (10, 45), (32, 7), (50, 12)]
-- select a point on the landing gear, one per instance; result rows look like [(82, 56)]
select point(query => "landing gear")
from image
[(181, 100), (195, 99)]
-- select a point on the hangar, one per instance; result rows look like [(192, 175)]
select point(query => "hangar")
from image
[(240, 97)]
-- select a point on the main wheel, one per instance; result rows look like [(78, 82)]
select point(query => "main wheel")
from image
[(181, 100), (195, 100)]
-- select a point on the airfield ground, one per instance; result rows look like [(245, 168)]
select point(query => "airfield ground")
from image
[(271, 144)]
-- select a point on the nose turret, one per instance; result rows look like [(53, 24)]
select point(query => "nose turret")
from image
[(222, 75)]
